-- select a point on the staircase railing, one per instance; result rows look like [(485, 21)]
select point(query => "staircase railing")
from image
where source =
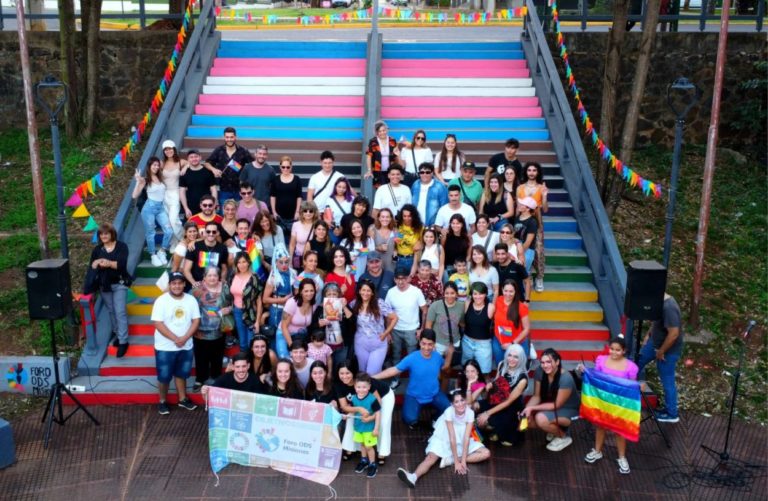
[(372, 104), (599, 242), (171, 123)]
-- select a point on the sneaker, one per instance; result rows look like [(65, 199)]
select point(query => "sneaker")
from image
[(623, 465), (593, 456), (557, 444), (539, 285), (550, 437), (506, 444), (122, 349), (446, 461), (156, 261), (494, 438), (362, 466), (162, 409), (197, 387), (408, 478), (665, 417), (187, 404), (231, 341), (372, 469), (162, 256)]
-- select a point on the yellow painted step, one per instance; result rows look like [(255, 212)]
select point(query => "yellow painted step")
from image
[(139, 309), (565, 312), (565, 296), (146, 290)]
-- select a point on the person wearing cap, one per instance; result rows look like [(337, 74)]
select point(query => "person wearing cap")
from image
[(393, 195), (428, 194), (176, 316), (535, 187), (382, 279), (195, 182), (471, 188), (226, 162), (499, 162), (173, 166), (525, 228), (455, 206), (410, 306), (259, 174)]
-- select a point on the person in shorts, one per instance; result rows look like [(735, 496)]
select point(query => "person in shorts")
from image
[(367, 420), (176, 316)]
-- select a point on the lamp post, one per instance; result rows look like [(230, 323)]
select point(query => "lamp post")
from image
[(50, 90), (685, 93)]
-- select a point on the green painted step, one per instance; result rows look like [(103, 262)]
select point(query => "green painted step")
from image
[(567, 274), (145, 270), (566, 257)]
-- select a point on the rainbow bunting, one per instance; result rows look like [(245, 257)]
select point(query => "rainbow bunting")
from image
[(611, 403), (257, 262)]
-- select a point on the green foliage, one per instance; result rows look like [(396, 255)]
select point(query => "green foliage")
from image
[(751, 113)]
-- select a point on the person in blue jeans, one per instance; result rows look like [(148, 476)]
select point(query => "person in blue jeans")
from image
[(423, 368), (664, 344), (153, 210)]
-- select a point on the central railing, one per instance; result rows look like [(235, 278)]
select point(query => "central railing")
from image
[(599, 242)]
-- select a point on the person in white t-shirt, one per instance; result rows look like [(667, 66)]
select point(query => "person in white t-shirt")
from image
[(409, 304), (176, 316), (393, 195), (455, 206), (320, 187)]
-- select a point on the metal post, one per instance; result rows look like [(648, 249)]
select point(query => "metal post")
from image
[(34, 147), (703, 15), (142, 15), (584, 14), (758, 22), (709, 165), (50, 84)]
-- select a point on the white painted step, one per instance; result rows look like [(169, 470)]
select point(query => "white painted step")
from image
[(288, 90), (455, 82), (273, 81), (458, 92)]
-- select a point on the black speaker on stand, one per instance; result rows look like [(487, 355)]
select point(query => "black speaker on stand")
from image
[(49, 295), (644, 300)]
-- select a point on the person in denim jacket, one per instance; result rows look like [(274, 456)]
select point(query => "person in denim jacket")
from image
[(428, 195)]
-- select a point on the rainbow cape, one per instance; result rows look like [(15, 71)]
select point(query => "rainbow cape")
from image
[(611, 403), (257, 260)]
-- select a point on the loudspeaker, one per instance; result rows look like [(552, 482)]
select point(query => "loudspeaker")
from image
[(49, 290), (646, 283)]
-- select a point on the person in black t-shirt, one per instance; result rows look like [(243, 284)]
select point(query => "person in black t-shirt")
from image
[(241, 379), (194, 183), (226, 162), (361, 208), (525, 228), (508, 268), (499, 162), (208, 252)]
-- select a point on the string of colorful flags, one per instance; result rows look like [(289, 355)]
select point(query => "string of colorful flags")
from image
[(96, 182), (625, 171), (384, 12)]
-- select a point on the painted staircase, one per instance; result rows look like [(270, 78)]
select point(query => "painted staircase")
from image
[(483, 93)]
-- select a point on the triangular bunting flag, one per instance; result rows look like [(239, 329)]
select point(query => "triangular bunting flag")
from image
[(91, 225), (74, 200), (81, 211), (95, 238)]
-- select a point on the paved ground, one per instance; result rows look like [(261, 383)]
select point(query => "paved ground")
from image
[(136, 453)]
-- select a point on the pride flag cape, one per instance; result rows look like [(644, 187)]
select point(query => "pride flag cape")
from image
[(257, 260), (611, 403)]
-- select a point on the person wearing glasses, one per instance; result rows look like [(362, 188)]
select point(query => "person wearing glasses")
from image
[(206, 215), (173, 166), (301, 232), (427, 194), (414, 154), (249, 205), (393, 195), (285, 196), (448, 160), (382, 153), (195, 182), (207, 252), (258, 174)]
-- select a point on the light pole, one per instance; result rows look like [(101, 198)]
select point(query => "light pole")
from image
[(52, 90), (685, 93)]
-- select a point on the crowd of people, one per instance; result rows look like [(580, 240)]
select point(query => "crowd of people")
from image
[(345, 295)]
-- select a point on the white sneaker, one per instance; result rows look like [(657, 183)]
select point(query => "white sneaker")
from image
[(623, 466), (408, 478), (163, 258), (446, 461), (557, 444), (550, 437), (593, 456), (539, 285), (156, 261)]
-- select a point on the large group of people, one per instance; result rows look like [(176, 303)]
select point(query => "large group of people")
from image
[(345, 295)]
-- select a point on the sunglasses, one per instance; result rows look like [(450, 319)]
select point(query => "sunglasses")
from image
[(285, 167), (505, 232), (421, 138), (211, 232), (244, 193), (425, 172), (310, 211), (206, 206)]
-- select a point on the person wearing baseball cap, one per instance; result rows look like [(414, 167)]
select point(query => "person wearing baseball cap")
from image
[(471, 188), (176, 316), (194, 183), (526, 227), (382, 279)]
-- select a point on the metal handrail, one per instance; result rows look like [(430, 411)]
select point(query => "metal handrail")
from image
[(599, 243), (372, 105)]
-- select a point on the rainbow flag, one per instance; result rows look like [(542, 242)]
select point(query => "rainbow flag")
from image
[(234, 165), (475, 434), (206, 259), (257, 261), (611, 403)]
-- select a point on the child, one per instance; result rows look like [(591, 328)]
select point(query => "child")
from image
[(367, 420), (461, 278), (318, 350)]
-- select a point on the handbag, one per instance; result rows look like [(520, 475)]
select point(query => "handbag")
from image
[(227, 323), (456, 357), (92, 281)]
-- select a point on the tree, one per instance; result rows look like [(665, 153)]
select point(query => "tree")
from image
[(67, 42), (91, 19), (629, 131)]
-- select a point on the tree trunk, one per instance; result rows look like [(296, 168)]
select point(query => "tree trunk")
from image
[(611, 78), (36, 7), (67, 35), (92, 66), (629, 132)]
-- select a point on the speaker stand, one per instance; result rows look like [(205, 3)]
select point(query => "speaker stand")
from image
[(54, 411), (651, 413)]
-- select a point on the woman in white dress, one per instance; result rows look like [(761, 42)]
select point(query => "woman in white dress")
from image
[(448, 160), (415, 153), (451, 443), (173, 167)]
